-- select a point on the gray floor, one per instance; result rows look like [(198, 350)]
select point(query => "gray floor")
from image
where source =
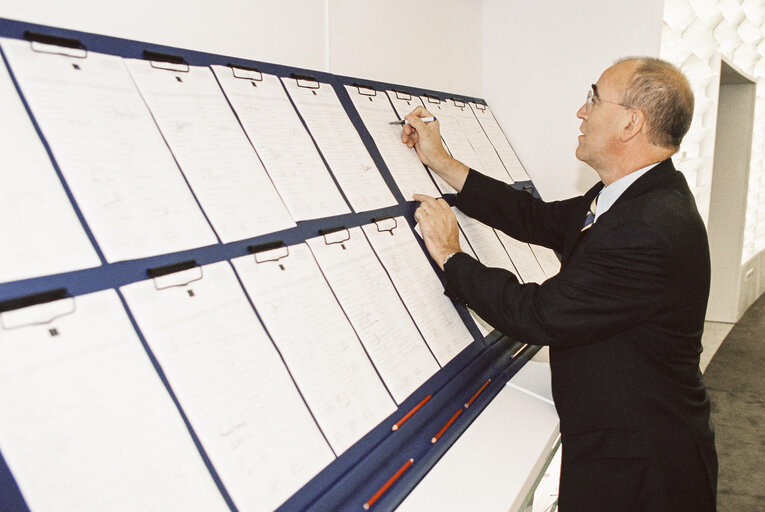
[(735, 380)]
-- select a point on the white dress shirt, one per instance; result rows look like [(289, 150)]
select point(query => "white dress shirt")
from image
[(610, 193)]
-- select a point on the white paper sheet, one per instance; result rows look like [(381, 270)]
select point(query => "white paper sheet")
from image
[(482, 325), (547, 259), (403, 163), (487, 249), (340, 143), (419, 287), (86, 422), (451, 131), (485, 243), (212, 150), (231, 383), (282, 143), (318, 344), (529, 269), (500, 142), (36, 216), (404, 103), (375, 310), (494, 464), (492, 165), (110, 152)]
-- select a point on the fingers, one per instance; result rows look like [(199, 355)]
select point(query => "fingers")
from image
[(414, 118), (426, 203), (425, 199), (419, 215), (410, 132), (418, 112), (409, 136), (430, 208), (415, 122)]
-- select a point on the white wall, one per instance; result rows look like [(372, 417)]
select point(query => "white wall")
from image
[(532, 61), (286, 32), (539, 60), (433, 44)]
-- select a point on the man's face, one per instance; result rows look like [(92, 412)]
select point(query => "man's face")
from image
[(602, 122)]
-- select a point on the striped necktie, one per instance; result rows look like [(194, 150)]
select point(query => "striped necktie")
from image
[(589, 220)]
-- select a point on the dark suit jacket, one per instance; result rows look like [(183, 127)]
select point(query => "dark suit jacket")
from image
[(623, 318)]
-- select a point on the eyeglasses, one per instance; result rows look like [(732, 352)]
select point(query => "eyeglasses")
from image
[(592, 98)]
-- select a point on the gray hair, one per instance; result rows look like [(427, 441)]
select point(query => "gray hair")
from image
[(663, 93)]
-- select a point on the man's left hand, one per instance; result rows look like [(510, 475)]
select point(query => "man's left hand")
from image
[(438, 225)]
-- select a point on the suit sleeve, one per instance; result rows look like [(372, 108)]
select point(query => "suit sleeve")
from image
[(518, 213), (606, 288)]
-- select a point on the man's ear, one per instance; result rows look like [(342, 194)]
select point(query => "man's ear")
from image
[(633, 124)]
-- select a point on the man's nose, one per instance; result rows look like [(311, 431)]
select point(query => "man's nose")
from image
[(582, 112)]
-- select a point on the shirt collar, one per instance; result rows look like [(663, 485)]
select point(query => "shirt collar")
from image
[(610, 193)]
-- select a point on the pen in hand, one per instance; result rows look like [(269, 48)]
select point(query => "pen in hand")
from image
[(423, 119)]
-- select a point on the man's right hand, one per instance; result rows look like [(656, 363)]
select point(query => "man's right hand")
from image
[(425, 138)]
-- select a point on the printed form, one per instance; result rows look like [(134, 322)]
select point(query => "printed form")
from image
[(118, 167), (454, 138), (36, 216), (485, 243), (340, 143), (547, 259), (319, 346), (523, 258), (484, 246), (282, 143), (403, 163), (212, 150), (87, 423), (383, 324), (404, 103), (231, 383), (482, 325), (472, 129), (500, 142), (419, 287)]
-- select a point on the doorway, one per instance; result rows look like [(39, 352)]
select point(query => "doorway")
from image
[(730, 183)]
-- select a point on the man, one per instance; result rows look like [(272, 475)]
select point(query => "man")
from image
[(624, 316)]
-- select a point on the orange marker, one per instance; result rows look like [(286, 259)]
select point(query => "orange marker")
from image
[(472, 398), (520, 350), (411, 413), (371, 501), (448, 424)]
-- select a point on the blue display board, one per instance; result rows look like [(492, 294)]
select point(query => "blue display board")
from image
[(356, 475)]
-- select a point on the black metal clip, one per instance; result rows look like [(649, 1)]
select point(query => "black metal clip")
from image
[(74, 46), (380, 220), (359, 87), (458, 103), (270, 247), (33, 300), (480, 106), (433, 99), (157, 59), (305, 78), (158, 272), (246, 76), (402, 95), (329, 231)]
